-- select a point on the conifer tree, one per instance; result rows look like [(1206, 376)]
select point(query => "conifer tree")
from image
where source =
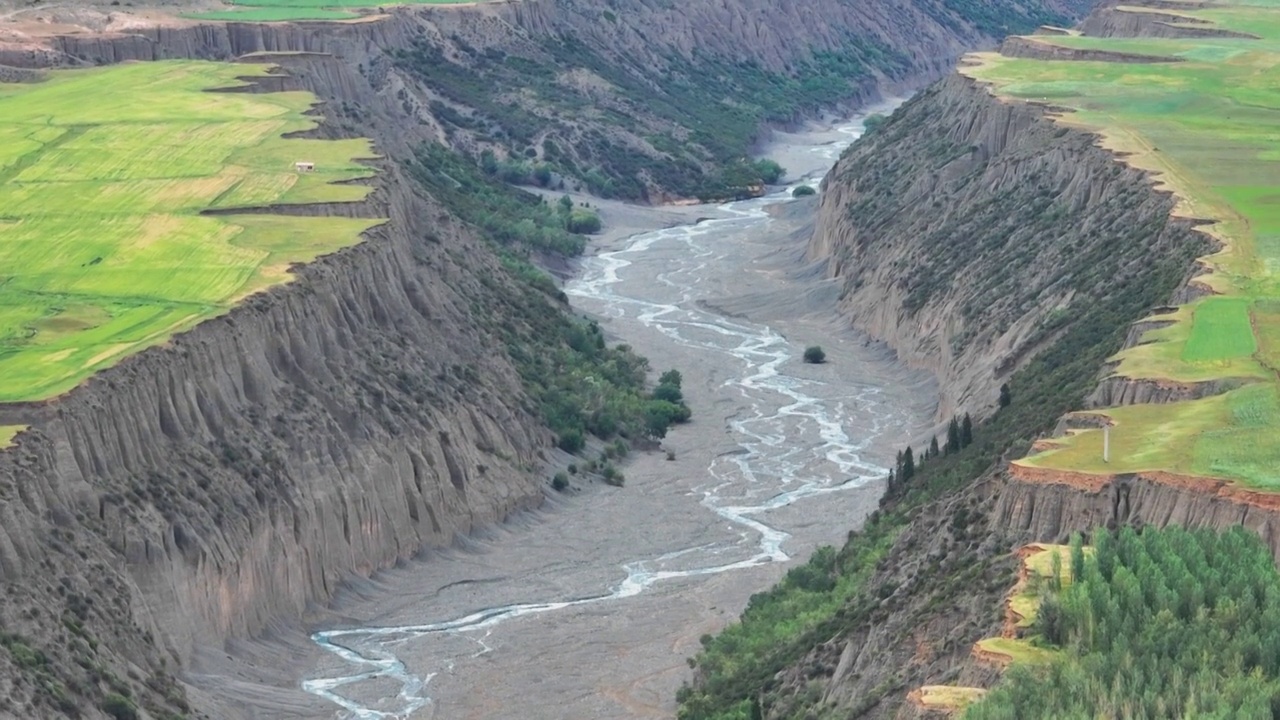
[(966, 432), (953, 436)]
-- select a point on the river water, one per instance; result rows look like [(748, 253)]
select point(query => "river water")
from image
[(588, 608)]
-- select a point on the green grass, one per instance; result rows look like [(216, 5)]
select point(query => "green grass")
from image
[(1207, 126), (1220, 331), (281, 10), (949, 698), (7, 433), (104, 175), (1228, 436), (1018, 651)]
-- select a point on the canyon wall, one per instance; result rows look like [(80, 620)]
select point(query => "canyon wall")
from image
[(967, 231), (330, 427)]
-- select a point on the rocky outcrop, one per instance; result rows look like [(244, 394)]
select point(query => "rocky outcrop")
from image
[(1109, 21), (1115, 391), (1048, 507), (948, 229), (1029, 47)]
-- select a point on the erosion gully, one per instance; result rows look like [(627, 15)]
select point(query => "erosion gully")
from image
[(589, 607)]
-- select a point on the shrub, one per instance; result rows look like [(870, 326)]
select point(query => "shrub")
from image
[(873, 122), (612, 475), (119, 707), (670, 393), (583, 222), (571, 440), (814, 355), (770, 171), (660, 415), (803, 191), (560, 482)]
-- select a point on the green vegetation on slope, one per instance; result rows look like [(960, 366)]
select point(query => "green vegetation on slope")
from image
[(712, 162), (1207, 126), (580, 385), (105, 176), (1163, 624), (661, 122), (510, 217)]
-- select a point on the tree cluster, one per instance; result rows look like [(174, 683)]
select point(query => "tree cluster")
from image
[(1159, 624), (584, 387), (959, 437), (512, 218)]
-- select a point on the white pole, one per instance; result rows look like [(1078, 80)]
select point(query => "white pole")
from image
[(1106, 443)]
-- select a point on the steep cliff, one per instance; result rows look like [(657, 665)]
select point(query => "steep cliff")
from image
[(207, 489), (201, 491), (968, 232)]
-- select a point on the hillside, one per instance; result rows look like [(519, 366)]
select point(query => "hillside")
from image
[(220, 478), (1084, 219), (646, 101)]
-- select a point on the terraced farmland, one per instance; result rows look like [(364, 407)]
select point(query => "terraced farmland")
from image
[(105, 175), (1207, 123)]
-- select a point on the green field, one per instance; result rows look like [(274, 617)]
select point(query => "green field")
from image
[(7, 432), (282, 10), (104, 175), (1208, 125)]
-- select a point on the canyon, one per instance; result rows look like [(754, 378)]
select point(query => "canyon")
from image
[(224, 487)]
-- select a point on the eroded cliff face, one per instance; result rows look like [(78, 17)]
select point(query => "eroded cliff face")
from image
[(931, 33), (966, 230), (331, 427)]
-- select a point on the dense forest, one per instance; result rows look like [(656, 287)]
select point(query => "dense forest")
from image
[(1158, 624)]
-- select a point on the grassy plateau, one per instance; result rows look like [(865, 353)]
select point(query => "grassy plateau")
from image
[(1206, 125), (285, 10), (105, 175)]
